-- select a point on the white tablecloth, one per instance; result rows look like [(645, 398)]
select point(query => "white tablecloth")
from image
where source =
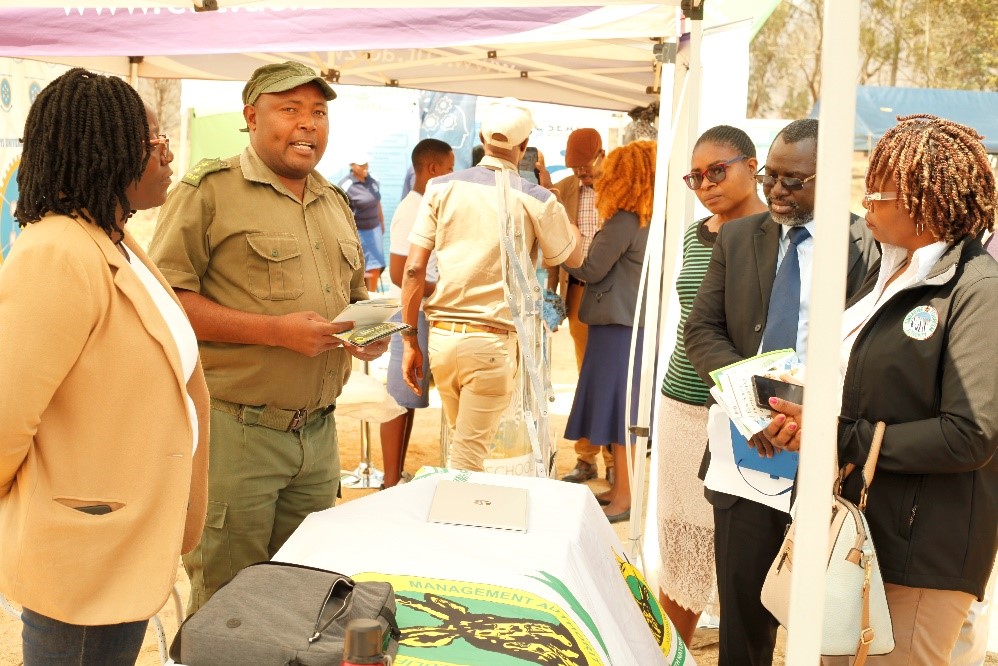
[(561, 593)]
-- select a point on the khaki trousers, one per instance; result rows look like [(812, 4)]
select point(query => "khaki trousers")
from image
[(584, 451), (474, 374), (926, 625), (262, 483)]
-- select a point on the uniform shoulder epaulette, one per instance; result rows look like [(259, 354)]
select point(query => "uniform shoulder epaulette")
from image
[(202, 169), (340, 191)]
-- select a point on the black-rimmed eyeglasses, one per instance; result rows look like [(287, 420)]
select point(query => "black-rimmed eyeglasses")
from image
[(715, 173)]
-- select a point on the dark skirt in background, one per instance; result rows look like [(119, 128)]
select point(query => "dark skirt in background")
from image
[(598, 408)]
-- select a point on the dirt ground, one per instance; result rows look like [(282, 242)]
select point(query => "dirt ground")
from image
[(424, 449)]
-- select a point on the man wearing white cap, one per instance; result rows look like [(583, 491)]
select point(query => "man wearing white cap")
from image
[(473, 345)]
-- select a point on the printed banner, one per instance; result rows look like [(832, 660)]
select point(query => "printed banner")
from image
[(449, 117), (20, 83)]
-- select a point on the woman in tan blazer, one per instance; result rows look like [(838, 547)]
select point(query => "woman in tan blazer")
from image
[(104, 407)]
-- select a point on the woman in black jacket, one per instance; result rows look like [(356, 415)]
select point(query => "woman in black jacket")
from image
[(920, 353)]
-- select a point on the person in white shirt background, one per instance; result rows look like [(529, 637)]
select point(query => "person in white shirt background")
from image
[(430, 158)]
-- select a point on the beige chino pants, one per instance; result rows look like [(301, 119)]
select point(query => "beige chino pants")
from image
[(926, 625), (474, 373)]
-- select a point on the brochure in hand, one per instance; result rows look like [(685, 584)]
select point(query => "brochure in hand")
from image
[(370, 321), (734, 388), (735, 392), (362, 336), (373, 311)]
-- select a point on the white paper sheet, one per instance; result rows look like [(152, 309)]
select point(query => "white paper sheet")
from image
[(724, 475)]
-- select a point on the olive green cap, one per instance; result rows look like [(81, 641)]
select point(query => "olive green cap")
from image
[(283, 76)]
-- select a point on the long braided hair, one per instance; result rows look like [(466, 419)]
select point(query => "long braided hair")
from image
[(628, 181), (85, 141), (942, 174)]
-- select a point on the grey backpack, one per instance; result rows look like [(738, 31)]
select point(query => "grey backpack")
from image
[(279, 614)]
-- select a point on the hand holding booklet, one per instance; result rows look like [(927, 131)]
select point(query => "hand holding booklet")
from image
[(741, 391), (735, 387), (370, 321)]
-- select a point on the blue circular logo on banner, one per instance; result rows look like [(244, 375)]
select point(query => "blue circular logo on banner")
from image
[(8, 225), (6, 94), (33, 89)]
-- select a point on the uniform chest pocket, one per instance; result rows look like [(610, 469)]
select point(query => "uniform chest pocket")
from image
[(350, 249), (273, 266)]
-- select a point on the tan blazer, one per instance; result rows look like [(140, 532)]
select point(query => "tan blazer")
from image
[(92, 411)]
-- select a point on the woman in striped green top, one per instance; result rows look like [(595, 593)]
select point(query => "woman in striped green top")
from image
[(723, 165)]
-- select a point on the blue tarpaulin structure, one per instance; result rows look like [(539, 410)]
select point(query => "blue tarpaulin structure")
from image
[(877, 109)]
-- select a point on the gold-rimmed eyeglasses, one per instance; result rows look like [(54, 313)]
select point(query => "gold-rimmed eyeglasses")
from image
[(870, 197)]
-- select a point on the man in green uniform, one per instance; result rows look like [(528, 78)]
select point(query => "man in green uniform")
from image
[(263, 252)]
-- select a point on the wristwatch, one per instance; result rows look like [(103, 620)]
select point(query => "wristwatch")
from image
[(409, 331)]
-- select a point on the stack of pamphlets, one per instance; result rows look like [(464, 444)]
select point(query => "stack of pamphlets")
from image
[(370, 321), (734, 392)]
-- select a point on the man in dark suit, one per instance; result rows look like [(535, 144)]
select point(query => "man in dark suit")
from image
[(727, 324)]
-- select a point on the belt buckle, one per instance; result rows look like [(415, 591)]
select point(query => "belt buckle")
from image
[(298, 420)]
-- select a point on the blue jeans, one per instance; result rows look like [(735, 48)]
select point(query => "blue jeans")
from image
[(48, 642)]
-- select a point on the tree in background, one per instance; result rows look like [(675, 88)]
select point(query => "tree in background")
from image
[(914, 43)]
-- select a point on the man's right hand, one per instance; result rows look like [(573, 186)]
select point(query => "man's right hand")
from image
[(308, 333)]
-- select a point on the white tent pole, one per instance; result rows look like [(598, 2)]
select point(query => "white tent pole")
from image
[(660, 266), (649, 301), (821, 409)]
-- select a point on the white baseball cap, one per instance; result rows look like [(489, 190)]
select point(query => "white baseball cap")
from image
[(509, 118)]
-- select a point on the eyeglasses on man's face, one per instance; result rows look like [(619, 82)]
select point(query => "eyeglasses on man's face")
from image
[(715, 173), (588, 169), (161, 143), (870, 197), (791, 184)]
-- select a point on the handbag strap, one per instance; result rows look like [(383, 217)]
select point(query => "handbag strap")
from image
[(869, 467), (866, 633)]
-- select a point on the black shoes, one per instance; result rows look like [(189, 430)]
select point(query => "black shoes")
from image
[(583, 471)]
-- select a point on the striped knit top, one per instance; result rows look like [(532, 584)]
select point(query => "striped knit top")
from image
[(681, 381)]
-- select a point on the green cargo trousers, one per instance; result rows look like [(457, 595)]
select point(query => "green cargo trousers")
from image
[(261, 485)]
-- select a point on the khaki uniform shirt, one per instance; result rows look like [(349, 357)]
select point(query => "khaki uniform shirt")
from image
[(459, 219), (231, 231)]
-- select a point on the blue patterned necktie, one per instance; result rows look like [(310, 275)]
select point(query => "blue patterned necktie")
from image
[(784, 303)]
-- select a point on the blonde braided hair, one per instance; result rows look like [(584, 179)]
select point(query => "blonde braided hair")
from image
[(628, 181), (942, 175)]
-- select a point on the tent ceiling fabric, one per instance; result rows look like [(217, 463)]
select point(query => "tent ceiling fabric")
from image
[(573, 52), (581, 55)]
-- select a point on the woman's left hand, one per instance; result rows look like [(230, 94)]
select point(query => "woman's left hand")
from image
[(783, 432)]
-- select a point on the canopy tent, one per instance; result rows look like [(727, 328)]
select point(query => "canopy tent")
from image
[(139, 42), (563, 52), (877, 109)]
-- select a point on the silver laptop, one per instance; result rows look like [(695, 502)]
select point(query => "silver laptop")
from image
[(479, 505)]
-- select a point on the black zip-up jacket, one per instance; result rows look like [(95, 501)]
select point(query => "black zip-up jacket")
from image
[(933, 505)]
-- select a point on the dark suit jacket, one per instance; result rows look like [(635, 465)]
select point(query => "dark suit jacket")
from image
[(729, 313)]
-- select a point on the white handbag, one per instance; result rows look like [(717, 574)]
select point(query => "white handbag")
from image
[(857, 620)]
